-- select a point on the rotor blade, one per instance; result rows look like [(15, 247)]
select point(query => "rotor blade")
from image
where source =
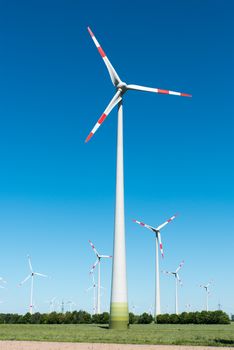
[(158, 91), (116, 99), (93, 267), (20, 284), (94, 249), (40, 274), (178, 278), (166, 222), (160, 244), (145, 225), (113, 75), (168, 272), (105, 256), (30, 264), (180, 266)]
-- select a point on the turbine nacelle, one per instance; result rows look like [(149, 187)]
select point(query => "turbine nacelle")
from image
[(122, 86)]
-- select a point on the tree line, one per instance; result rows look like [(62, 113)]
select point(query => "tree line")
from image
[(203, 317), (78, 317)]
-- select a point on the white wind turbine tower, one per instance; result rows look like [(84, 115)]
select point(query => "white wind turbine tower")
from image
[(119, 301), (98, 262), (206, 287), (32, 276), (177, 279), (93, 287), (158, 241)]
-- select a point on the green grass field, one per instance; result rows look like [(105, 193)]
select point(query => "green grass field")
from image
[(216, 335)]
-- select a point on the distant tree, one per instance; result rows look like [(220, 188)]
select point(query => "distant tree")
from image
[(27, 318), (53, 318), (101, 318), (174, 318), (220, 317), (132, 318), (80, 317), (145, 318), (163, 318), (35, 318), (68, 318)]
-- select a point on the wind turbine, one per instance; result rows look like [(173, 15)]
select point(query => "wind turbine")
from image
[(206, 287), (98, 261), (119, 317), (177, 279), (32, 276), (93, 286), (51, 304), (158, 240), (70, 303)]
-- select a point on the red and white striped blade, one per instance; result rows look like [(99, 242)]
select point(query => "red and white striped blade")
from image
[(180, 266), (158, 91), (113, 74), (166, 222), (94, 249), (93, 267), (144, 225), (115, 100), (160, 244)]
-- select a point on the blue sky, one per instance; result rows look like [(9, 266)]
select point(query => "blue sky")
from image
[(56, 192)]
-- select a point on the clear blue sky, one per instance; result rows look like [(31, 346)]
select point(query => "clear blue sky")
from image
[(56, 192)]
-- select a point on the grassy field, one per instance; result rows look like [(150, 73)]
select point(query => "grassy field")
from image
[(216, 335)]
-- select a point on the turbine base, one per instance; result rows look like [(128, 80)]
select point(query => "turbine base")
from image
[(119, 316)]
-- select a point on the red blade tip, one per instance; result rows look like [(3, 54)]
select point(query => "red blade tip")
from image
[(186, 95), (88, 137)]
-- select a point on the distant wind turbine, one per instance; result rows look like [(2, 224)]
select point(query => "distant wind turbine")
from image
[(51, 304), (158, 241), (93, 287), (70, 303), (177, 279), (119, 314), (32, 276), (206, 287), (98, 262)]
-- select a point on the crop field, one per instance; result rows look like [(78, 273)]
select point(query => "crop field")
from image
[(211, 335)]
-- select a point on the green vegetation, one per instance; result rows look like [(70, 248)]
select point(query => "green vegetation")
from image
[(204, 317), (216, 335), (81, 317)]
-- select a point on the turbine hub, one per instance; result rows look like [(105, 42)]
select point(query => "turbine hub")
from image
[(122, 86)]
